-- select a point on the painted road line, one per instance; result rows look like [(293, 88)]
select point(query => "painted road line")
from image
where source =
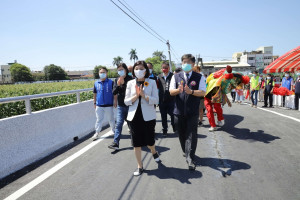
[(293, 118), (54, 169), (282, 115)]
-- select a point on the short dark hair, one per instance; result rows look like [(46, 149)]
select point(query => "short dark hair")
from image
[(256, 72), (287, 72), (124, 66), (141, 62), (103, 68), (188, 56), (165, 63), (150, 63), (269, 75)]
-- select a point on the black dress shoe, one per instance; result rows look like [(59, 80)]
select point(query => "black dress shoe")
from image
[(165, 133), (264, 106)]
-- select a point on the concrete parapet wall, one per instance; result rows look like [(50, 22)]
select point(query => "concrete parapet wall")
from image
[(28, 138)]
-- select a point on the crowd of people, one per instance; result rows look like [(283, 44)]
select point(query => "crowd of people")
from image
[(261, 89), (184, 95)]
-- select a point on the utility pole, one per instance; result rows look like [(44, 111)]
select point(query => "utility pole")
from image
[(170, 63)]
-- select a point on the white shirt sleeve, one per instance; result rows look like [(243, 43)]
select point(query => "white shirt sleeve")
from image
[(202, 84), (172, 83)]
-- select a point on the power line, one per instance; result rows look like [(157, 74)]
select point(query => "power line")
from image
[(174, 53), (137, 16), (136, 21)]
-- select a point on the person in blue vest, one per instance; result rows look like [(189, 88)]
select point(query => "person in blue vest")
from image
[(287, 82), (122, 110), (187, 87), (103, 102), (152, 76), (297, 91), (268, 91)]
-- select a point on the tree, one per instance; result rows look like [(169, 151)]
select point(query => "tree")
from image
[(38, 76), (20, 72), (159, 54), (157, 62), (133, 55), (117, 60), (53, 72)]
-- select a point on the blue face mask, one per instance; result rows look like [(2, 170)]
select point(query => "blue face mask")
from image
[(187, 67), (121, 72), (102, 75), (129, 74), (287, 75), (298, 74), (254, 75)]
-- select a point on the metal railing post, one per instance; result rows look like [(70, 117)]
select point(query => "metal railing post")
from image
[(78, 97), (28, 106)]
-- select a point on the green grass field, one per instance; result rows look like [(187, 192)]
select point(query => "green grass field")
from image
[(18, 108)]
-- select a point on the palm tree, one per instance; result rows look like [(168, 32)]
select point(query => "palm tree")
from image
[(133, 55), (117, 60), (159, 54)]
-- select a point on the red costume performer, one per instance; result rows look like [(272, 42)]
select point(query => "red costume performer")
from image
[(219, 84)]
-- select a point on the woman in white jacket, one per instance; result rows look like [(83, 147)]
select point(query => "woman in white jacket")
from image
[(141, 96)]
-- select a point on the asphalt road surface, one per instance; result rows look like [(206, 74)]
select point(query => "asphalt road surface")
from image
[(255, 155)]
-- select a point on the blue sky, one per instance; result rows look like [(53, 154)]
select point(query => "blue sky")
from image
[(77, 34)]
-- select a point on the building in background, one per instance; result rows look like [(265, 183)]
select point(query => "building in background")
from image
[(213, 66), (5, 75), (80, 74), (260, 58)]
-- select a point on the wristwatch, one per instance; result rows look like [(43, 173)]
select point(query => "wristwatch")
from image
[(192, 91)]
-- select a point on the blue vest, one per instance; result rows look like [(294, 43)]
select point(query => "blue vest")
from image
[(287, 82), (187, 105), (105, 96)]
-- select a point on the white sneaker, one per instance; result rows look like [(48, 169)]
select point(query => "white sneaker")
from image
[(220, 123), (211, 129), (96, 136)]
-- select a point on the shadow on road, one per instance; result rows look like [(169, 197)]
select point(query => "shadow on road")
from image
[(182, 175), (225, 166), (159, 149), (174, 135), (243, 133)]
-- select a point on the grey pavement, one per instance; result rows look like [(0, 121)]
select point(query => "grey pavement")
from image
[(255, 155)]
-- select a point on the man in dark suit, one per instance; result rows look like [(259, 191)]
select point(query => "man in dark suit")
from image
[(166, 101), (187, 87)]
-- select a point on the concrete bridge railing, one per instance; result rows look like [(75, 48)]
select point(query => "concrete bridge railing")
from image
[(32, 136)]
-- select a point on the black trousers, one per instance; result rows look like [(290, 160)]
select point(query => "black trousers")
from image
[(187, 127), (166, 108), (283, 101), (270, 97), (297, 96), (233, 96)]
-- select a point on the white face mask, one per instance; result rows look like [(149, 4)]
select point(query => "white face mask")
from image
[(150, 70), (102, 75), (139, 73), (121, 72), (268, 78)]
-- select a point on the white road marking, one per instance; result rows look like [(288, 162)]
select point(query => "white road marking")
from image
[(54, 169), (282, 115)]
